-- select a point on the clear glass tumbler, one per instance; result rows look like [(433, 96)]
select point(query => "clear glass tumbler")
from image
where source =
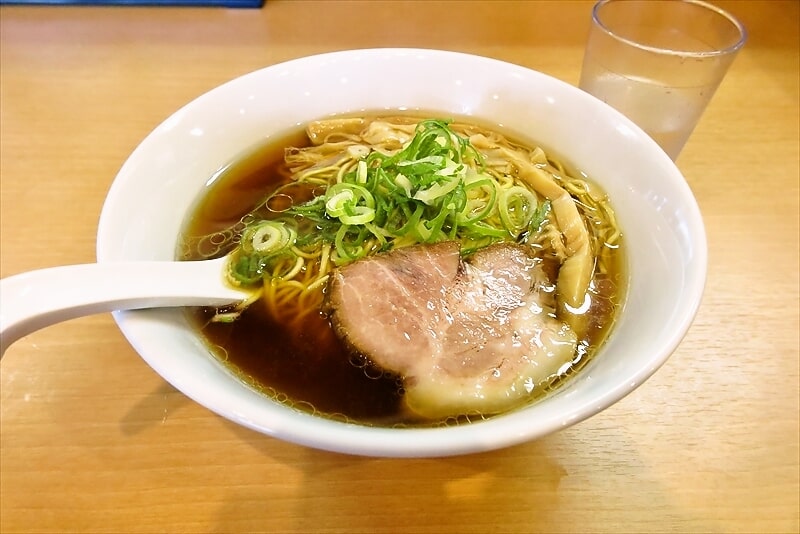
[(659, 62)]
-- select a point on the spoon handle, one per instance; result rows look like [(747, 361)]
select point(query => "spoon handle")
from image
[(36, 299)]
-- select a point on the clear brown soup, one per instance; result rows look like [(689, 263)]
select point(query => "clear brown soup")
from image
[(305, 365)]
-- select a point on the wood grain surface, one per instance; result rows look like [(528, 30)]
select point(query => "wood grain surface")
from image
[(92, 440)]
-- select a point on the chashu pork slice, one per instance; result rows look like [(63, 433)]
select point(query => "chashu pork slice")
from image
[(465, 336)]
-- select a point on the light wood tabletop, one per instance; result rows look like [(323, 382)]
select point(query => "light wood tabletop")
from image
[(93, 440)]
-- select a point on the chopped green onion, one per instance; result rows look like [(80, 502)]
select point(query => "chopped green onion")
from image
[(517, 206), (362, 172), (404, 183), (433, 189), (268, 237), (437, 190), (360, 215)]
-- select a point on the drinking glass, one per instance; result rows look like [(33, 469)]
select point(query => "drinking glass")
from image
[(659, 62)]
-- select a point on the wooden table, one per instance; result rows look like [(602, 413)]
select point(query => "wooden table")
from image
[(94, 441)]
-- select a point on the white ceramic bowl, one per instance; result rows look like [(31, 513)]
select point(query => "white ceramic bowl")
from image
[(656, 210)]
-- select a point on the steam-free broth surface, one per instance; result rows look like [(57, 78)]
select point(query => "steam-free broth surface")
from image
[(303, 362)]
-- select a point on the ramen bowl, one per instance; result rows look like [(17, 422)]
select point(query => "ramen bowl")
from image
[(160, 183)]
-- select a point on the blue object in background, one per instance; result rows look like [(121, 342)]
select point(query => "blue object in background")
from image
[(188, 3)]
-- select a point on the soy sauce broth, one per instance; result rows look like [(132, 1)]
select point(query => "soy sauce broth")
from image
[(305, 365)]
